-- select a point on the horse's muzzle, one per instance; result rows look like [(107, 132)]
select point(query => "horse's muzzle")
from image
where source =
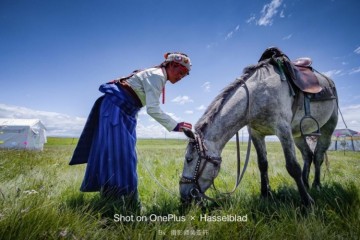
[(189, 193)]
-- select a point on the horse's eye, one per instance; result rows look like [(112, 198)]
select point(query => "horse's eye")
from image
[(188, 159)]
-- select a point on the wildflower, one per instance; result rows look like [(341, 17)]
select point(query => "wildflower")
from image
[(63, 233), (29, 192), (25, 210)]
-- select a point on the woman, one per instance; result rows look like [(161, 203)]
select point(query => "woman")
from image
[(107, 143)]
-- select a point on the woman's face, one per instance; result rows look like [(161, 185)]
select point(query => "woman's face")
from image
[(175, 72)]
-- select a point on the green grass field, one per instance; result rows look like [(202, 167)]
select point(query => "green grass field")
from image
[(40, 198)]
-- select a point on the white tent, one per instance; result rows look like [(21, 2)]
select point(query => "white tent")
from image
[(345, 140), (22, 134)]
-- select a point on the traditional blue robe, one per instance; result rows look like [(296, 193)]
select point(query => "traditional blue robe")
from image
[(107, 143)]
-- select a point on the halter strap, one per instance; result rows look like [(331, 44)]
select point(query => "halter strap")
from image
[(201, 150)]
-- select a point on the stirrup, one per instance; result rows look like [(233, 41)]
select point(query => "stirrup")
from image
[(316, 133)]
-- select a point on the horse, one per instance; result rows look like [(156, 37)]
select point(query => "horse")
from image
[(260, 99)]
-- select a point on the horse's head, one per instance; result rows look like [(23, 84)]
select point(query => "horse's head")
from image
[(201, 166)]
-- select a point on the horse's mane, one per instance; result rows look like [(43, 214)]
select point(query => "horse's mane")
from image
[(218, 102)]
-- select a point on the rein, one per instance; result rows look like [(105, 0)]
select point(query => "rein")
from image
[(196, 192)]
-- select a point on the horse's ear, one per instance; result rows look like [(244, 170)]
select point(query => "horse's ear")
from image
[(188, 132)]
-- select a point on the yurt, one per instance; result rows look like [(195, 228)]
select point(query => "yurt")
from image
[(27, 134), (345, 140)]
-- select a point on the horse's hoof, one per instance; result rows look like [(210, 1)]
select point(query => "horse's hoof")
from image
[(317, 186), (309, 202), (266, 195)]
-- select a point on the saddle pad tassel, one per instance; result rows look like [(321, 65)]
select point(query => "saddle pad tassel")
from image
[(163, 95)]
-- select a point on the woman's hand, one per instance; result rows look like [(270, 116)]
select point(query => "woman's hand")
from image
[(179, 127)]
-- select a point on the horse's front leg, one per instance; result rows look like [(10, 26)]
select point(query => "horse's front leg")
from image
[(285, 136), (259, 143)]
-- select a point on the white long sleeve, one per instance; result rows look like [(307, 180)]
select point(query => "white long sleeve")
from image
[(148, 85)]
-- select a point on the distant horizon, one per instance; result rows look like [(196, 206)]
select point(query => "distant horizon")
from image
[(178, 135), (183, 137)]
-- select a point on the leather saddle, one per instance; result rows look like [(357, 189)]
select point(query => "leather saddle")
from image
[(299, 71)]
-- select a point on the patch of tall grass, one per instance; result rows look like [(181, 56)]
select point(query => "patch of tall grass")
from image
[(40, 198)]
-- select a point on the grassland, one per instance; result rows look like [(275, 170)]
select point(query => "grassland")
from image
[(40, 199)]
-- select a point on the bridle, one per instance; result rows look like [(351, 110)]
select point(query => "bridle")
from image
[(196, 192), (201, 150)]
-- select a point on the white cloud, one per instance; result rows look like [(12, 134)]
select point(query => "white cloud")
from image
[(355, 70), (211, 45), (189, 112), (206, 86), (150, 131), (201, 108), (57, 124), (268, 12), (182, 100), (230, 34), (155, 131), (151, 119), (282, 14), (142, 111), (251, 19), (332, 73), (173, 116), (62, 125), (357, 51), (351, 116), (287, 37)]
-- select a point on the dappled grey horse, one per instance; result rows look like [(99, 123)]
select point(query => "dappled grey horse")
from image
[(269, 105)]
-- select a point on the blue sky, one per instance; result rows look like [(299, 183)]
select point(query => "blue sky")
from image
[(55, 54)]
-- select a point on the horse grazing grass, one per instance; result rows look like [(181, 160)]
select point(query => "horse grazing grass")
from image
[(268, 108)]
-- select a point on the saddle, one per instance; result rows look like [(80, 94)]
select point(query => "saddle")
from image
[(299, 72)]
